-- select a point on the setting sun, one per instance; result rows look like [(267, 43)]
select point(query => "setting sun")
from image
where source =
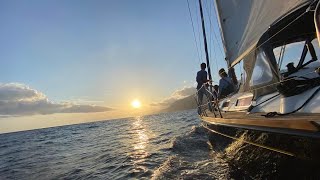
[(136, 104)]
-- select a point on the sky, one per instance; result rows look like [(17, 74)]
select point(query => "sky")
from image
[(66, 62)]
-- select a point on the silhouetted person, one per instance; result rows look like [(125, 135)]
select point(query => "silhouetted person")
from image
[(202, 79), (202, 76), (290, 69), (226, 85)]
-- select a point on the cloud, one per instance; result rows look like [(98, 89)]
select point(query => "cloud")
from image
[(18, 92), (176, 95), (18, 99)]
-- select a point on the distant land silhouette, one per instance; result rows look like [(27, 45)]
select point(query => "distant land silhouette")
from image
[(182, 104)]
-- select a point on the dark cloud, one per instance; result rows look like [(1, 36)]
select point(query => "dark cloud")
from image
[(18, 100)]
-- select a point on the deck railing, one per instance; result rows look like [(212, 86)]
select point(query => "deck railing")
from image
[(211, 102)]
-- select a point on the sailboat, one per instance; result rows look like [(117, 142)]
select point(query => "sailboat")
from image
[(275, 43)]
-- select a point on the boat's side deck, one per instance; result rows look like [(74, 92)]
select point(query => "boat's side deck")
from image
[(296, 121)]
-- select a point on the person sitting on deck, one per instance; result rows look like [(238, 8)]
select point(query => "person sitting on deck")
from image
[(226, 85)]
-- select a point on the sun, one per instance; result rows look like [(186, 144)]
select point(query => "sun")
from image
[(136, 104)]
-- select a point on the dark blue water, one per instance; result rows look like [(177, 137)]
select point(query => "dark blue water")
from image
[(115, 149), (163, 146)]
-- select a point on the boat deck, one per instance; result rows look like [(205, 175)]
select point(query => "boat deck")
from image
[(295, 121)]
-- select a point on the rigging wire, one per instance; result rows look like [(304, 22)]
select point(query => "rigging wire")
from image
[(210, 40), (215, 35), (201, 48), (283, 48), (194, 34), (212, 30)]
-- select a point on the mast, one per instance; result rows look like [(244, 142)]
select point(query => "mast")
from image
[(205, 40)]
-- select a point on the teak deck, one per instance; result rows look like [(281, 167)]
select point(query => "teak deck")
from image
[(296, 121)]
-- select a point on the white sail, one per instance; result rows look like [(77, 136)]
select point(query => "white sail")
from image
[(243, 22)]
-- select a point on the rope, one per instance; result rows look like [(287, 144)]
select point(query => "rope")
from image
[(287, 79), (251, 107), (272, 114), (252, 143)]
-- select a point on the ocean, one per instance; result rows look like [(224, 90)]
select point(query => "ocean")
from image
[(162, 146)]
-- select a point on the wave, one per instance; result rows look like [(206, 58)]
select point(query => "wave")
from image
[(195, 158), (192, 159), (254, 162), (165, 146)]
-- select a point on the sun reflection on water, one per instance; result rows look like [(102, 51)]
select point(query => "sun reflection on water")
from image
[(140, 140), (142, 137)]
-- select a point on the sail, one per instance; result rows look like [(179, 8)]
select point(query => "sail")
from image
[(243, 22)]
